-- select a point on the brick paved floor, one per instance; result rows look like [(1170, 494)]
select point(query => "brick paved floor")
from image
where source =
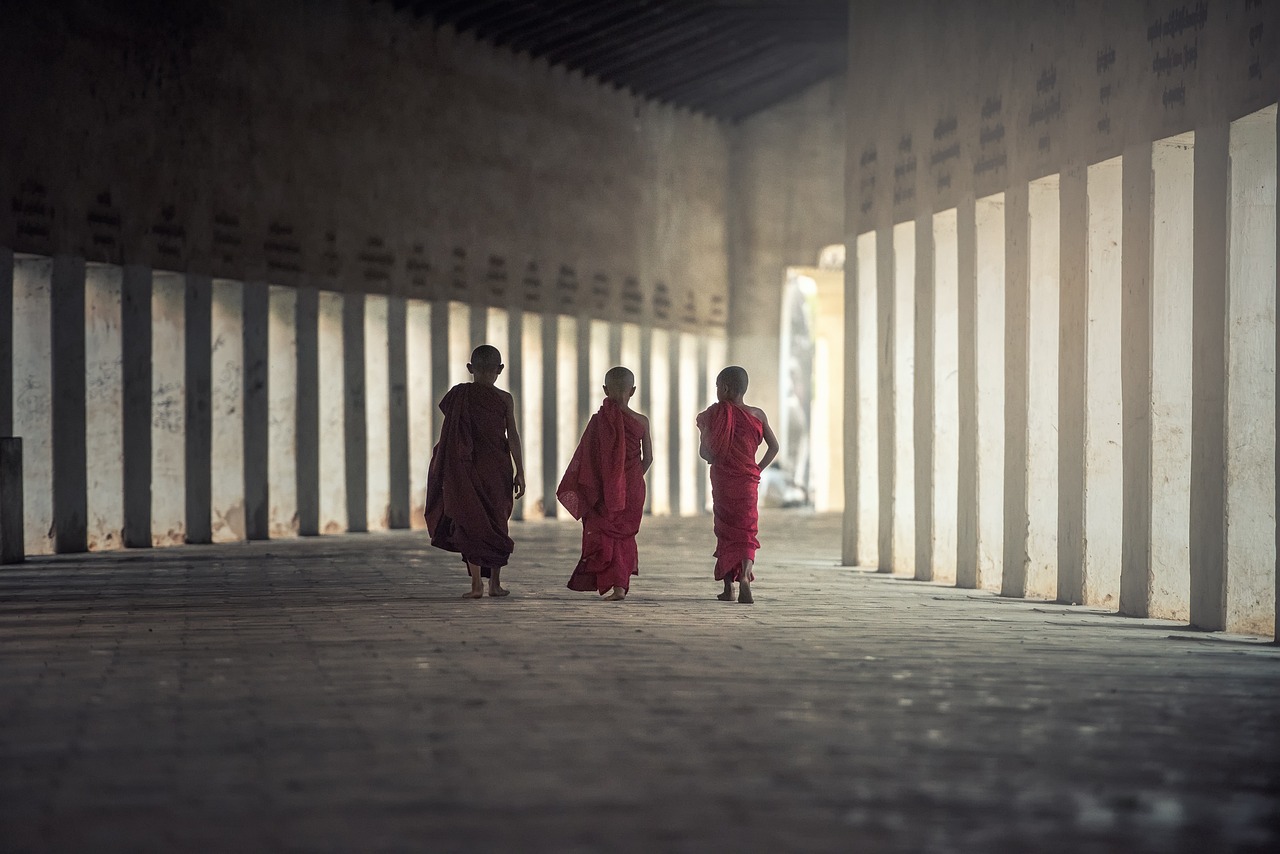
[(337, 695)]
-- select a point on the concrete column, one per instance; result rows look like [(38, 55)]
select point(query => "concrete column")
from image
[(1166, 575), (647, 398), (903, 382), (588, 361), (568, 427), (885, 459), (690, 464), (1044, 251), (282, 411), (421, 403), (599, 364), (168, 410), (868, 393), (513, 321), (11, 536), (332, 409), (70, 514), (1209, 380), (135, 368), (104, 464), (550, 412), (945, 407), (355, 415), (923, 396), (377, 413), (852, 411), (257, 411), (1135, 380), (33, 397), (1249, 583), (531, 423), (674, 431), (199, 409), (966, 395), (1017, 328), (398, 414), (660, 420), (308, 412), (439, 363), (1104, 485), (6, 348), (1073, 319), (989, 313), (704, 391), (465, 322), (227, 370), (615, 346)]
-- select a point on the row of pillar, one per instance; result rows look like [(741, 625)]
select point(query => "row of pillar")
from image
[(162, 408), (1067, 390)]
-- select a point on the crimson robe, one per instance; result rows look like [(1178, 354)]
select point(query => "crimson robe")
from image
[(604, 487), (732, 435), (470, 481)]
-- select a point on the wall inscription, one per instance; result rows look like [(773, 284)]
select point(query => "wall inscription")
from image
[(1175, 42), (946, 148)]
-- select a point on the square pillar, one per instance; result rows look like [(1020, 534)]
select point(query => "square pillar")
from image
[(885, 443), (923, 388), (227, 483), (550, 412), (1017, 328), (70, 511), (966, 395), (1073, 320), (945, 406)]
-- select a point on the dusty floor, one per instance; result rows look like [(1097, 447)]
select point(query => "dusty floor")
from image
[(337, 695)]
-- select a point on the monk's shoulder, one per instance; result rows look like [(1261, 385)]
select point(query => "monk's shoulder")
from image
[(758, 413)]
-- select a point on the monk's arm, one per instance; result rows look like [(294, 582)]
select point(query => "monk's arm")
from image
[(517, 451), (646, 450), (703, 450), (771, 444)]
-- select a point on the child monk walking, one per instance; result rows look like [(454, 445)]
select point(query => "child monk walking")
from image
[(471, 486), (604, 487), (730, 432)]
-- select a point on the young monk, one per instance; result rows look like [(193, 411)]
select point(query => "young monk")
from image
[(729, 434), (604, 487), (471, 486)]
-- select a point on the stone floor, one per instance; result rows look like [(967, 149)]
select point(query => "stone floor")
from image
[(337, 695)]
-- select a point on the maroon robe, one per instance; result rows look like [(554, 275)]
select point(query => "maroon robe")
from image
[(470, 481), (732, 435), (604, 487)]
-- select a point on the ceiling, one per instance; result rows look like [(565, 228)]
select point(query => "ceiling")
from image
[(725, 58)]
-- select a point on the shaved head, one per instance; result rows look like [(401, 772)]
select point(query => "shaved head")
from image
[(485, 356), (734, 379), (619, 379)]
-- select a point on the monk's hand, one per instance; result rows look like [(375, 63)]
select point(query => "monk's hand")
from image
[(519, 486)]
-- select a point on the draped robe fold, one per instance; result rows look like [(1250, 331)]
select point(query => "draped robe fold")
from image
[(470, 480), (604, 488), (732, 436)]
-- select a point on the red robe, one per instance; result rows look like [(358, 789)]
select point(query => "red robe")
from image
[(604, 487), (469, 483), (732, 436)]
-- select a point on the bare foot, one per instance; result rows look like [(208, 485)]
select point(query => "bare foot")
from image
[(499, 591), (473, 594), (744, 594), (616, 596), (726, 596)]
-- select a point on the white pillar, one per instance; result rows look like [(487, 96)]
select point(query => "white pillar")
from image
[(282, 408), (104, 406), (717, 356), (531, 418), (867, 428), (1042, 390), (227, 396), (687, 399), (903, 378), (460, 345), (168, 410), (1104, 463), (421, 405), (946, 405), (377, 398), (1172, 207), (332, 432), (33, 397), (659, 417), (568, 426), (599, 364), (989, 363), (1249, 596)]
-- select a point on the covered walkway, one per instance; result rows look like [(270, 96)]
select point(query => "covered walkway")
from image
[(335, 694)]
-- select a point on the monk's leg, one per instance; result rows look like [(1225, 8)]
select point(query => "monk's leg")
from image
[(495, 588), (727, 594), (744, 582), (618, 594), (477, 585)]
